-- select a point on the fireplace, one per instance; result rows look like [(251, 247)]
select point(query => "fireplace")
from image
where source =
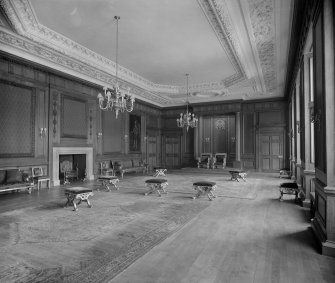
[(57, 151)]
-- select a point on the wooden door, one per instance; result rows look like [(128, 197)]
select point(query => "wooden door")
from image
[(271, 152), (152, 156), (172, 154)]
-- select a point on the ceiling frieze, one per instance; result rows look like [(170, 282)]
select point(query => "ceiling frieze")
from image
[(12, 16), (263, 23), (47, 37), (71, 57), (22, 44)]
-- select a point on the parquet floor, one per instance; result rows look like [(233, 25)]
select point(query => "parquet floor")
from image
[(238, 240), (233, 240)]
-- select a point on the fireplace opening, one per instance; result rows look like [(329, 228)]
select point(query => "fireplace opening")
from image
[(74, 165)]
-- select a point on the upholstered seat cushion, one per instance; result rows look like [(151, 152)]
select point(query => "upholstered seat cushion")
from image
[(204, 183), (2, 176), (156, 181), (14, 176), (78, 190), (289, 185)]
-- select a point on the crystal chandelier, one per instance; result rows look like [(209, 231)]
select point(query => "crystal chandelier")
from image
[(187, 119), (114, 99)]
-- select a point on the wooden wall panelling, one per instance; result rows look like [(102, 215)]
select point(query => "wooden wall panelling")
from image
[(207, 137), (152, 148), (74, 118), (231, 140), (54, 120), (42, 127), (248, 140), (171, 149), (91, 122), (302, 114), (112, 133), (319, 93), (18, 118)]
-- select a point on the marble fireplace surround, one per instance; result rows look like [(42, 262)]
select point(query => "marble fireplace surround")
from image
[(56, 151)]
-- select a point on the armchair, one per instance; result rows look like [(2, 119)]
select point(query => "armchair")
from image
[(67, 169), (38, 175), (106, 168), (204, 161), (219, 160)]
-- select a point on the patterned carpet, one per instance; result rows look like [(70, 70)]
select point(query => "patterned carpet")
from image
[(49, 243)]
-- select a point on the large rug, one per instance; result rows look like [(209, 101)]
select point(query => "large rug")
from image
[(49, 243)]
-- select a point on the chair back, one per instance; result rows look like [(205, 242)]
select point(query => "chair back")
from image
[(36, 171)]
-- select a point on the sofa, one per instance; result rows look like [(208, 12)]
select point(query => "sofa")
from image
[(12, 180), (129, 166)]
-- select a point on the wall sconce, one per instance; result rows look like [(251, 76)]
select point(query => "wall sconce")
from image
[(43, 132), (145, 139), (99, 135), (233, 139), (291, 134), (126, 138), (207, 139)]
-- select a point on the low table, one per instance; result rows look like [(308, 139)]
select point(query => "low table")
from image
[(156, 185), (106, 181), (159, 171), (289, 189), (238, 174), (77, 193), (205, 187)]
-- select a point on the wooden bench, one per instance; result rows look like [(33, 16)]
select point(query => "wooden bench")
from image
[(14, 180)]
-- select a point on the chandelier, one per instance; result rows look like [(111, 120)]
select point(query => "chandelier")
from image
[(114, 99), (187, 119)]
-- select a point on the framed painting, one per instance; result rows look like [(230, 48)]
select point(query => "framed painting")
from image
[(134, 133)]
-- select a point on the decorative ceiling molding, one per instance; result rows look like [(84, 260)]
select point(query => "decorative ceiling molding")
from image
[(220, 23), (263, 25), (67, 56)]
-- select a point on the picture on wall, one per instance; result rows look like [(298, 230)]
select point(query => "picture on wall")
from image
[(134, 133)]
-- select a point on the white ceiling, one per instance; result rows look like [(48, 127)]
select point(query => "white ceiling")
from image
[(232, 49)]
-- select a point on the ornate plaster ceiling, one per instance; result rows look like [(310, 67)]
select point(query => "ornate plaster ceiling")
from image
[(232, 49)]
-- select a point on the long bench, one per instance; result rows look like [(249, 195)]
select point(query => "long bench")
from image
[(129, 166), (12, 180)]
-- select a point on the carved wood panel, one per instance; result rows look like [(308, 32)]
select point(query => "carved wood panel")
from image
[(171, 145), (319, 93), (17, 116)]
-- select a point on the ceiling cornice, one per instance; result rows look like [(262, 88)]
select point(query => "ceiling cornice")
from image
[(38, 43)]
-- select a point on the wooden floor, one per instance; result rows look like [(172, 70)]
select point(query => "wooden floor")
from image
[(238, 240), (233, 240)]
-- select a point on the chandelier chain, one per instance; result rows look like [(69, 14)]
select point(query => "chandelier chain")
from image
[(115, 99), (187, 119)]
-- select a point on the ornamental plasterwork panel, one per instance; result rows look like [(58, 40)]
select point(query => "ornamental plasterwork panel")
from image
[(263, 23), (219, 20)]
